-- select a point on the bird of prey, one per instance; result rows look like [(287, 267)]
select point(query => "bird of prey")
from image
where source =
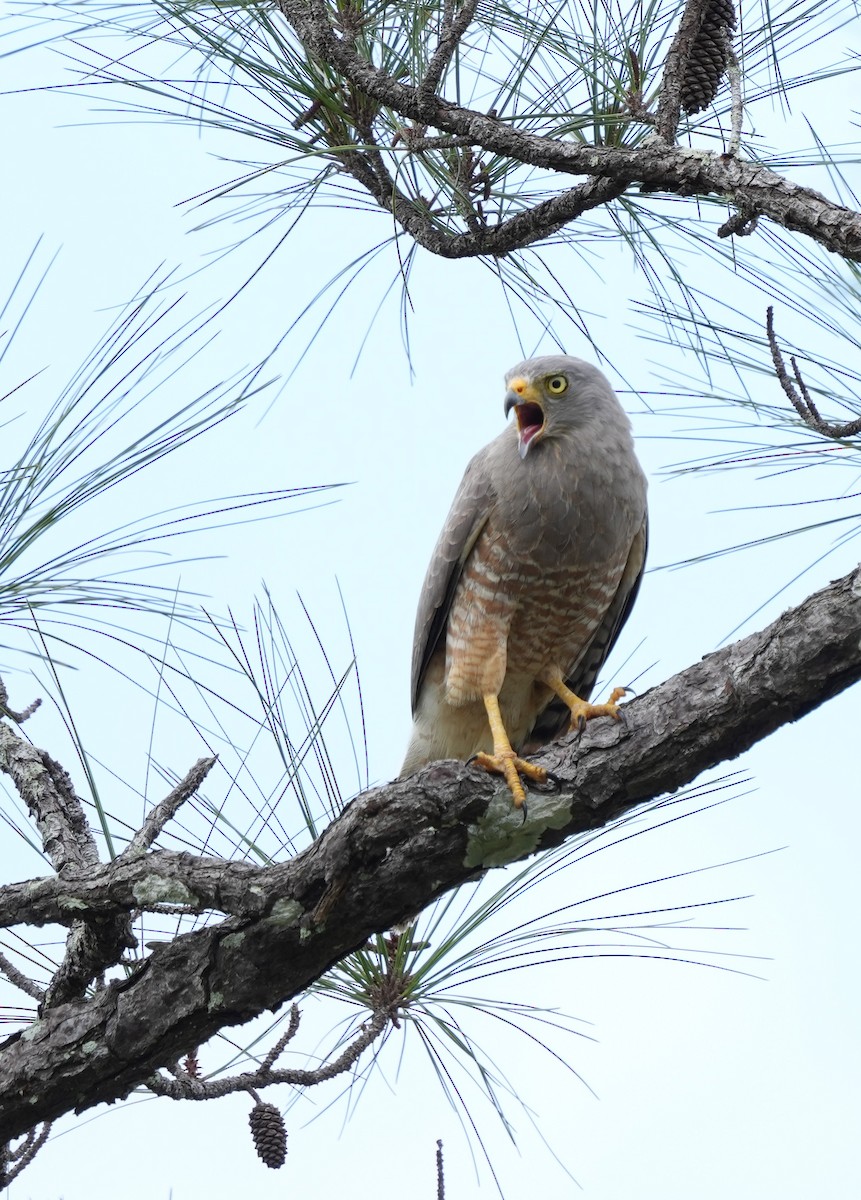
[(534, 575)]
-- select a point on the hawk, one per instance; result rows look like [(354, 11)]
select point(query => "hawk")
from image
[(534, 575)]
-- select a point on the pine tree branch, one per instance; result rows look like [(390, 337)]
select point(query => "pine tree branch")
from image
[(799, 395), (396, 848), (159, 816), (94, 942), (185, 1087), (656, 165)]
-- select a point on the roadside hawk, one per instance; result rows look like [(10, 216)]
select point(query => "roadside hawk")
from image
[(533, 576)]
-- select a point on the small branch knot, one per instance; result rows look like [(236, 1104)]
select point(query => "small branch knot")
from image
[(742, 223)]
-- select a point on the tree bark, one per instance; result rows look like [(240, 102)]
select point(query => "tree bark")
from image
[(391, 852), (657, 164)]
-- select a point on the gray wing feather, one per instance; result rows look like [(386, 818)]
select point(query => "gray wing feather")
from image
[(554, 719), (468, 516)]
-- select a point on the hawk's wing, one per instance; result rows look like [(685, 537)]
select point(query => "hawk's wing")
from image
[(469, 514), (553, 720)]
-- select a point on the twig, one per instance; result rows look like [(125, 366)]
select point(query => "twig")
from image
[(803, 403), (21, 981), (159, 816), (440, 1178), (278, 1049), (24, 1155), (48, 791), (18, 717), (737, 112), (95, 942), (415, 141), (453, 29), (187, 1087)]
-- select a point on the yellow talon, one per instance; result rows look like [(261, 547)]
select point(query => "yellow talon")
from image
[(503, 761), (581, 710), (510, 765)]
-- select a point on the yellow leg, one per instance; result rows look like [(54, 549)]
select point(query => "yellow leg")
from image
[(504, 761), (581, 710)]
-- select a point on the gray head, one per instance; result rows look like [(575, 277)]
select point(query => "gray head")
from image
[(555, 394)]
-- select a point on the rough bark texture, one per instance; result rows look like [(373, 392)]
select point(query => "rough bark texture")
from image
[(393, 850), (657, 164)]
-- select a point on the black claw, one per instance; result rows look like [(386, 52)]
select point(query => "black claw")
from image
[(524, 808)]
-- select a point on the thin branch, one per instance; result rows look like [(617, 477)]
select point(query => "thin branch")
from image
[(20, 981), (186, 1087), (159, 816), (288, 1035), (24, 1155), (737, 112), (453, 29), (655, 163), (48, 791), (18, 717), (93, 943), (799, 396)]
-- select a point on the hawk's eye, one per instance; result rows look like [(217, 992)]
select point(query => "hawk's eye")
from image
[(557, 384)]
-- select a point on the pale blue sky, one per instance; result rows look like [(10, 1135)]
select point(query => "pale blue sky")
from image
[(709, 1084)]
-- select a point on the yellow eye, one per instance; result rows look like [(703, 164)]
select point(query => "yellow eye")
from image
[(557, 384)]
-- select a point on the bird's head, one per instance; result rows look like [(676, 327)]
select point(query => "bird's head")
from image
[(552, 395)]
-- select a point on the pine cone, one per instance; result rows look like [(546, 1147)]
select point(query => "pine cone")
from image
[(709, 57), (270, 1136)]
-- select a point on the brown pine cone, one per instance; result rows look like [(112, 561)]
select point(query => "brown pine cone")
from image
[(709, 57), (270, 1136)]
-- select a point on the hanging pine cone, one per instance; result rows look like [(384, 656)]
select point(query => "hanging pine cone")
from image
[(270, 1136), (709, 57)]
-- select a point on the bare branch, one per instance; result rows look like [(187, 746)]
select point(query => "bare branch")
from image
[(395, 849), (24, 1155), (656, 164), (799, 396), (159, 816), (737, 114), (93, 943), (21, 981), (18, 717), (188, 1087), (453, 29), (161, 881), (288, 1035), (48, 792)]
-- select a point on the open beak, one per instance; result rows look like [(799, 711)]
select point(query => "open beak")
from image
[(529, 414)]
